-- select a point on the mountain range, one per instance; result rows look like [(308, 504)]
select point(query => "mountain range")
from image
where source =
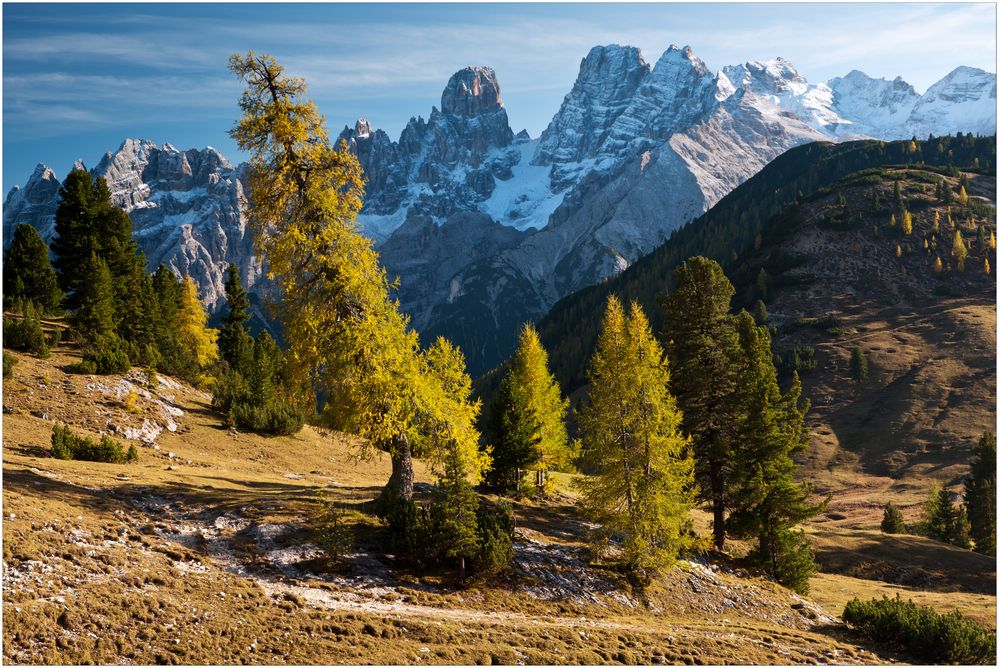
[(487, 228)]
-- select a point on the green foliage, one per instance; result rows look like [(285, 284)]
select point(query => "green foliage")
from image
[(96, 317), (235, 344), (9, 362), (858, 365), (26, 333), (514, 433), (105, 355), (929, 636), (27, 272), (799, 359), (789, 558), (67, 445), (494, 553), (892, 521), (944, 520), (980, 495), (643, 487)]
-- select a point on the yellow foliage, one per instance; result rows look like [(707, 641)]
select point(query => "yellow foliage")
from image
[(906, 222), (898, 250), (131, 402), (992, 240), (959, 250), (988, 269), (962, 196), (193, 331), (938, 265)]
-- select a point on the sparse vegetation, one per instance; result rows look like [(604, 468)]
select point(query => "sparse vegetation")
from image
[(921, 631)]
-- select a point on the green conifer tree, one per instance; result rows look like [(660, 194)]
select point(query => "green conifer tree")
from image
[(27, 272), (95, 317), (980, 495), (235, 344), (892, 521), (515, 435)]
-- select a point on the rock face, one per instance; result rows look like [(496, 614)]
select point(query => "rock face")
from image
[(187, 210), (486, 228)]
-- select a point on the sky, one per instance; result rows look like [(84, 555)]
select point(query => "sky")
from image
[(78, 79)]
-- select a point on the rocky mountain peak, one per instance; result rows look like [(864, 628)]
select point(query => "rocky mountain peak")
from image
[(362, 128), (470, 92)]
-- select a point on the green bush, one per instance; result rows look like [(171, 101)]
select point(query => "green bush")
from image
[(416, 534), (25, 334), (245, 409), (922, 631), (106, 355), (67, 445), (9, 361), (892, 521)]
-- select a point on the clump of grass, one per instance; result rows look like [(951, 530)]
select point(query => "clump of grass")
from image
[(67, 445)]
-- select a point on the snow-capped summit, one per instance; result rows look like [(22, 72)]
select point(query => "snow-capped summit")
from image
[(874, 107), (963, 101)]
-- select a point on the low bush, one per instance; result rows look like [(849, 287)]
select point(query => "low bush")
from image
[(25, 334), (333, 535), (67, 445), (262, 412), (9, 361), (922, 631), (105, 356)]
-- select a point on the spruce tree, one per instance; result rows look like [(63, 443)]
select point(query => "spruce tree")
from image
[(643, 488), (95, 317), (858, 365), (980, 495), (515, 436), (768, 503), (943, 520), (74, 240), (892, 521), (702, 346), (27, 272), (235, 344)]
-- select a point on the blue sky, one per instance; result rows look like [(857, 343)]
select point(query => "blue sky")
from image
[(78, 79)]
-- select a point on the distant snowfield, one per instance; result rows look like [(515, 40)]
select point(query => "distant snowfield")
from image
[(524, 201)]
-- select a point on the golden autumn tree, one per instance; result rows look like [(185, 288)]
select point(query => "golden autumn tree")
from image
[(959, 250), (193, 332), (346, 336), (906, 222)]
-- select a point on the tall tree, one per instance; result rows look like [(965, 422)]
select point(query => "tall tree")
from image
[(95, 317), (27, 272), (959, 250), (643, 488), (193, 332), (702, 346), (235, 344), (346, 335), (768, 502), (980, 495), (543, 397), (515, 435)]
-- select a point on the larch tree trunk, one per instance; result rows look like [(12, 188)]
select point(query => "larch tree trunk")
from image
[(400, 483)]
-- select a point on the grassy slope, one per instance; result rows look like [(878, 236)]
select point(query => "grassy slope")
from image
[(184, 558)]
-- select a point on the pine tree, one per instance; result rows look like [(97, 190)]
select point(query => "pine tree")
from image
[(235, 344), (515, 434), (27, 272), (543, 397), (643, 488), (95, 317), (959, 250), (980, 495), (136, 304), (892, 521), (345, 333), (943, 520), (193, 333), (858, 365), (455, 504), (767, 501), (702, 346)]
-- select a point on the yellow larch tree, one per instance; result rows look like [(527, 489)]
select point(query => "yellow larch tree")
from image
[(193, 332)]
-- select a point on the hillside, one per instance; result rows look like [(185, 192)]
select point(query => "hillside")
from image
[(204, 552)]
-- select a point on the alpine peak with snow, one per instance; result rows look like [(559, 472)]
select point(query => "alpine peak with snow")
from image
[(487, 228)]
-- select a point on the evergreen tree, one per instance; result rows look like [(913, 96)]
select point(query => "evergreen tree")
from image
[(542, 397), (515, 435), (892, 521), (980, 495), (27, 272), (95, 317), (858, 365), (193, 333), (643, 488), (456, 504), (767, 501), (235, 344), (136, 306), (702, 346), (943, 520)]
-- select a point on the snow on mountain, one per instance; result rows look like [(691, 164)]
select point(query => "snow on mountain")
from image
[(487, 228)]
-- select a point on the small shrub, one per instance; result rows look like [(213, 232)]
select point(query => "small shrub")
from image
[(131, 402), (892, 521), (9, 361), (67, 445), (333, 536), (928, 635), (106, 355), (495, 536)]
